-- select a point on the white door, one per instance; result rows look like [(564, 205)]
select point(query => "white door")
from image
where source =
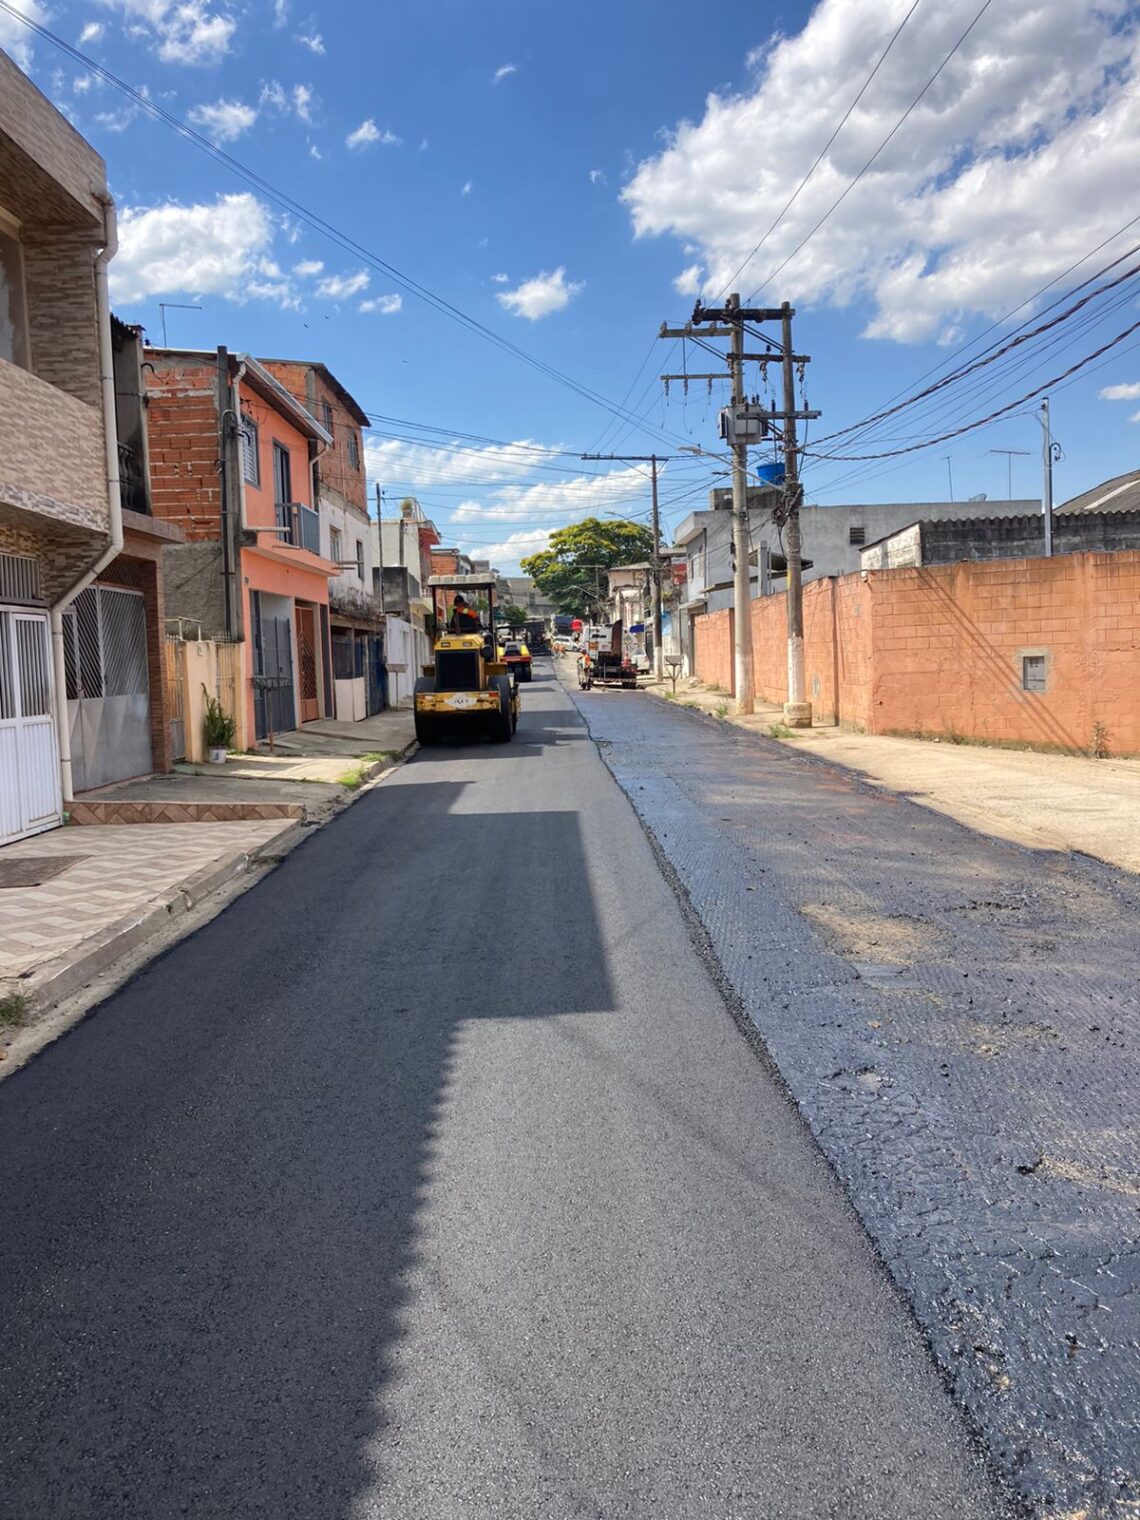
[(29, 755)]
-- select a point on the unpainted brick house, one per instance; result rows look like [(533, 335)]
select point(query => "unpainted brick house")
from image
[(81, 694)]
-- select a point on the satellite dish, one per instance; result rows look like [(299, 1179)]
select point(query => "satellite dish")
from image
[(981, 496)]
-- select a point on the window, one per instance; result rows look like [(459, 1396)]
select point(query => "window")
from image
[(360, 558), (1033, 672), (335, 553), (326, 417), (250, 452), (14, 344), (353, 451), (282, 474), (857, 534)]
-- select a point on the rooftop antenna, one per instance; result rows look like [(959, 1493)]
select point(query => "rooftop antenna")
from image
[(165, 306), (1009, 458)]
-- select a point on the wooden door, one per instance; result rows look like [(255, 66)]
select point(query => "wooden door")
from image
[(307, 663)]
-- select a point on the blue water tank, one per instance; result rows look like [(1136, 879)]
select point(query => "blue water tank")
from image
[(770, 474)]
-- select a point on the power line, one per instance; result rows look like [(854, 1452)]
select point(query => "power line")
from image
[(1000, 412), (729, 283), (890, 135), (318, 223)]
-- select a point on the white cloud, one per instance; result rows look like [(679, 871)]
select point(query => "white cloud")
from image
[(337, 286), (385, 305), (500, 487), (597, 177), (303, 101), (280, 12), (1127, 392), (500, 279), (180, 31), (368, 132), (423, 144), (502, 72), (221, 248), (312, 40), (82, 83), (92, 32), (688, 282), (467, 188), (307, 268), (15, 38), (958, 216), (315, 152), (224, 121), (539, 297), (1135, 417)]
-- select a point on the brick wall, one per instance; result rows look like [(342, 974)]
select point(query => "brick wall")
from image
[(939, 650), (182, 425), (335, 467)]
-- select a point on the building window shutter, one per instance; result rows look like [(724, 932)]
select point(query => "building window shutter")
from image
[(250, 454)]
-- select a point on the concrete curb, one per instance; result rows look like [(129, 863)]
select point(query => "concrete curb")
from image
[(66, 977)]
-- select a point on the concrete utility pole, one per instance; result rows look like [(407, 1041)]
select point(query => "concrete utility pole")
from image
[(380, 542), (797, 709), (1047, 475), (741, 424), (653, 460)]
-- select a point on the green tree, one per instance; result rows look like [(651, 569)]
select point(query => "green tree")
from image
[(572, 570), (513, 615)]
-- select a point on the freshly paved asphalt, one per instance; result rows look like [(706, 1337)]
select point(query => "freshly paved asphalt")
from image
[(433, 1179)]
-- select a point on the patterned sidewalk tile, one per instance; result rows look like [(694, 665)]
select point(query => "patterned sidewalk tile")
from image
[(124, 871)]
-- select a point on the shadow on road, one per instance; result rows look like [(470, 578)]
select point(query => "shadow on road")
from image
[(212, 1187)]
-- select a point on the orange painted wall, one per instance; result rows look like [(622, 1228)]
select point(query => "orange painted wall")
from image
[(712, 649), (272, 427), (939, 651)]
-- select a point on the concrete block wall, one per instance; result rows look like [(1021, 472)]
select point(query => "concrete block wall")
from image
[(938, 651)]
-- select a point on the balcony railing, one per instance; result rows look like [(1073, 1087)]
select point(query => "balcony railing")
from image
[(299, 525)]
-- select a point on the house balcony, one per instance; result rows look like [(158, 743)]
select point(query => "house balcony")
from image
[(299, 525), (53, 466)]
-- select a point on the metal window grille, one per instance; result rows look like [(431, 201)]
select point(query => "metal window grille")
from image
[(1033, 672), (360, 558), (7, 694), (334, 545), (353, 451), (32, 664), (19, 578), (857, 535), (326, 416)]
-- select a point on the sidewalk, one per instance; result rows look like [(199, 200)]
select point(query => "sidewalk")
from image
[(142, 854), (1046, 801)]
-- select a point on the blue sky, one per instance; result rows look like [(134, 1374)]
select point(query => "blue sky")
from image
[(571, 176)]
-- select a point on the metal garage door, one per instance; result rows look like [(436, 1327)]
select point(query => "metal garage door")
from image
[(107, 686)]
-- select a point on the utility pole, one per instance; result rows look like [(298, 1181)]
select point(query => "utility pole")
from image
[(1047, 475), (797, 709), (743, 423), (380, 541), (653, 460)]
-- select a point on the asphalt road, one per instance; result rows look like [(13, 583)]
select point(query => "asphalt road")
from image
[(433, 1179)]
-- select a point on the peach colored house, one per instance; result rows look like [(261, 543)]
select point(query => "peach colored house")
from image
[(233, 461)]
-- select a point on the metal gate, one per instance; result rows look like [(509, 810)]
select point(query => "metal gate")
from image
[(377, 675), (307, 664), (273, 672), (175, 698), (108, 686), (29, 752)]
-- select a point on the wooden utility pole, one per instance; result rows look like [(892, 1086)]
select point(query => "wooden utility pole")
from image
[(743, 423), (653, 460)]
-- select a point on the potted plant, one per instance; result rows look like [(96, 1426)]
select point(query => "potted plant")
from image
[(220, 730)]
